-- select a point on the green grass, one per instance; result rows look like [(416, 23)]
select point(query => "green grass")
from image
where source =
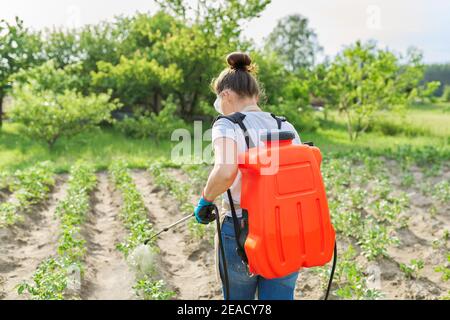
[(431, 121), (101, 147)]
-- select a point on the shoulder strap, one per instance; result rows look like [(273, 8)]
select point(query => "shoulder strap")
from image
[(238, 118), (279, 120)]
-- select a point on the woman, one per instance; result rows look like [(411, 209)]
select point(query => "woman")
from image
[(238, 91)]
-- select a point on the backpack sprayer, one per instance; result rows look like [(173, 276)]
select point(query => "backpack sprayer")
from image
[(289, 227)]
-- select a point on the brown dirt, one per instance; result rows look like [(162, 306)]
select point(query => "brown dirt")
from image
[(185, 264), (28, 243), (107, 273)]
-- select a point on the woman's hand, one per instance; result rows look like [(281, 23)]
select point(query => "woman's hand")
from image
[(204, 212)]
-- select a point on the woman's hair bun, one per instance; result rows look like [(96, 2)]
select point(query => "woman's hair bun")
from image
[(240, 61)]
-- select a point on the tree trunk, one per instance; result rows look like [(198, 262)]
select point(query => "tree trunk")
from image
[(2, 95), (350, 126), (156, 102)]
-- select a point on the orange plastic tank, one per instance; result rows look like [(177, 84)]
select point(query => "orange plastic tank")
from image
[(289, 219)]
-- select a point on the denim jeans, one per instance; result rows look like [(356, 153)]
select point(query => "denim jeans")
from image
[(241, 285)]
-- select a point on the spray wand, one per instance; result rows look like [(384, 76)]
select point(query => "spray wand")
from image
[(168, 228)]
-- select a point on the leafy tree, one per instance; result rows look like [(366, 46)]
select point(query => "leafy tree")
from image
[(191, 51), (438, 72), (367, 79), (86, 46), (48, 76), (272, 75), (295, 42), (224, 18), (49, 109), (446, 94), (208, 31), (138, 81), (19, 49), (320, 89), (62, 46)]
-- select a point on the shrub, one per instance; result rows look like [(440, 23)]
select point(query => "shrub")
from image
[(395, 128), (152, 125), (48, 116), (446, 94)]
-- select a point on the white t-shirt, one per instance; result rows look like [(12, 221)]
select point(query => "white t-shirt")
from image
[(255, 122)]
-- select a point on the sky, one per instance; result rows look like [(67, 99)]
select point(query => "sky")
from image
[(396, 24)]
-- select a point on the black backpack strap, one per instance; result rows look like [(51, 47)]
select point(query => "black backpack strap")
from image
[(237, 229), (279, 120), (238, 118)]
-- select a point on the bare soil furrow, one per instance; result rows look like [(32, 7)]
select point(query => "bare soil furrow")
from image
[(28, 243), (107, 273)]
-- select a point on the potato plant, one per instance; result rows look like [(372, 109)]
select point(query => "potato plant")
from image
[(412, 270), (133, 212), (182, 194), (444, 269), (350, 279), (134, 217), (30, 186), (53, 275)]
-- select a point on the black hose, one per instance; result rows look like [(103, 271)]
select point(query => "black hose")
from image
[(225, 281), (333, 268)]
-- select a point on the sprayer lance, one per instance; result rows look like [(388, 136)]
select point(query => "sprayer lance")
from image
[(168, 228)]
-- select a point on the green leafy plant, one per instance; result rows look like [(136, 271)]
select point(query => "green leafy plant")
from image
[(412, 270), (444, 269), (182, 193), (350, 278), (134, 216), (153, 290), (51, 113), (51, 279), (30, 186)]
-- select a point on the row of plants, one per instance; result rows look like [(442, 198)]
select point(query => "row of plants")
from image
[(371, 221), (368, 209), (182, 193), (29, 187), (59, 277), (366, 212), (134, 216)]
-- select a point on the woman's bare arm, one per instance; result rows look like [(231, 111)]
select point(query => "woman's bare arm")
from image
[(225, 168)]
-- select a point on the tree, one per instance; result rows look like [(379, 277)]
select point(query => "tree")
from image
[(138, 81), (367, 79), (272, 75), (438, 72), (19, 49), (50, 109), (206, 32), (295, 42)]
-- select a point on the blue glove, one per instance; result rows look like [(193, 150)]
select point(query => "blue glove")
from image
[(204, 212)]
